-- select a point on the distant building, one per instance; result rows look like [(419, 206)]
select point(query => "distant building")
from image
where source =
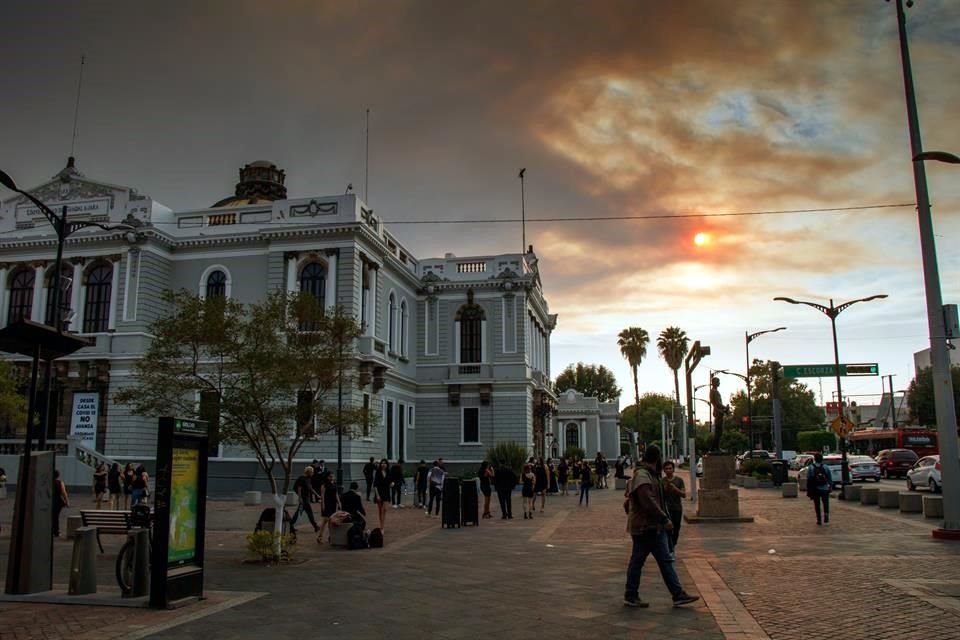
[(586, 423), (921, 359), (456, 349)]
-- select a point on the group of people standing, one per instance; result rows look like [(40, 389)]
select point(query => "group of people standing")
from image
[(113, 484)]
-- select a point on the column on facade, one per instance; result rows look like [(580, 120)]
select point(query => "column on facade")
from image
[(583, 435), (372, 311), (291, 271), (4, 295), (114, 291), (599, 441), (75, 288), (36, 313), (331, 292)]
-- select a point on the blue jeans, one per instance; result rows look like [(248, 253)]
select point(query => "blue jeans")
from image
[(585, 491), (137, 496), (656, 542)]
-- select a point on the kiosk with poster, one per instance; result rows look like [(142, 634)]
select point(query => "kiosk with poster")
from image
[(180, 502)]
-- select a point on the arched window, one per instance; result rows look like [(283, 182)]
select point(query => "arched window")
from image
[(403, 327), (392, 324), (573, 435), (66, 292), (470, 318), (313, 281), (96, 311), (21, 295), (217, 285)]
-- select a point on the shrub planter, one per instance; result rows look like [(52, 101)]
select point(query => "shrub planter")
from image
[(789, 490), (851, 492), (765, 483), (888, 498), (933, 506), (750, 482), (802, 481), (869, 495), (911, 502)]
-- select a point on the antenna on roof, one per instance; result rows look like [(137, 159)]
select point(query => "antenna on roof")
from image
[(523, 212), (366, 162), (76, 109)]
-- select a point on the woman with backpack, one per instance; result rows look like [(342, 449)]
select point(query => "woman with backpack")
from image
[(819, 484)]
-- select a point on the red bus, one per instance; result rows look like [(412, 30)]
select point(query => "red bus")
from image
[(871, 441)]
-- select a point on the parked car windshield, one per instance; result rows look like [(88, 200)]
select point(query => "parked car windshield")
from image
[(904, 454)]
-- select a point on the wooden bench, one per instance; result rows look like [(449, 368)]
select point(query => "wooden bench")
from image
[(110, 522)]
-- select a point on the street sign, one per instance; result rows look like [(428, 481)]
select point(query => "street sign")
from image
[(842, 426), (829, 370)]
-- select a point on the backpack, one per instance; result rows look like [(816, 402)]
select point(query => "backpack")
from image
[(356, 536), (375, 540), (820, 475)]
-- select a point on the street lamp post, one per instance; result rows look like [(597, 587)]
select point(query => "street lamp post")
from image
[(694, 356), (939, 356), (832, 312), (748, 338)]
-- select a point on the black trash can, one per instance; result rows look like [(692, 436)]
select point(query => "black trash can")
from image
[(469, 503), (779, 472), (450, 504)]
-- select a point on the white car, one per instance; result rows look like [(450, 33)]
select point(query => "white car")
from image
[(800, 461), (700, 468), (925, 473)]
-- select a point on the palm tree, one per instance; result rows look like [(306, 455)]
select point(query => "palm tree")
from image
[(673, 345), (633, 345)]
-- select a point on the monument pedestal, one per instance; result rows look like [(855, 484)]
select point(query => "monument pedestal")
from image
[(717, 500)]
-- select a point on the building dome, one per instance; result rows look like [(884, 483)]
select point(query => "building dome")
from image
[(260, 182)]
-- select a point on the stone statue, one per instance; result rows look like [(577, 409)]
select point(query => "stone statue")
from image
[(719, 412)]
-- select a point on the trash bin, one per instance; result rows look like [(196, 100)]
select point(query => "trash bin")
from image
[(450, 506), (469, 503), (779, 472)]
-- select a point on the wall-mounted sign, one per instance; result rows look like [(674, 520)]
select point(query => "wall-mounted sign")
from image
[(84, 208), (83, 418)]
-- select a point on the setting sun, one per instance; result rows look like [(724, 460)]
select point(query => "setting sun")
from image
[(701, 239)]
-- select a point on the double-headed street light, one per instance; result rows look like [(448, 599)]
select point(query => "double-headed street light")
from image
[(832, 312), (748, 338)]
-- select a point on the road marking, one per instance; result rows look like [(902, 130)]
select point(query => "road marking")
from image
[(731, 616)]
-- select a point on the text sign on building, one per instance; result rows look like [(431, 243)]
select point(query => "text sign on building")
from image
[(83, 418), (91, 208), (829, 370)]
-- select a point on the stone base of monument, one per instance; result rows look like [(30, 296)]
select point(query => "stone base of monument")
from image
[(717, 501)]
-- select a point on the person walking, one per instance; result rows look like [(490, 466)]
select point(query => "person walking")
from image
[(529, 479), (563, 471), (368, 470), (436, 478), (648, 524), (540, 484), (552, 473), (128, 477), (486, 475), (674, 492), (420, 482), (60, 500), (100, 484), (329, 504), (114, 485), (303, 487), (505, 480), (819, 484), (586, 482), (396, 485), (139, 492), (381, 488)]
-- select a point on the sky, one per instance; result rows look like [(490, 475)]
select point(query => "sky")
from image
[(636, 108)]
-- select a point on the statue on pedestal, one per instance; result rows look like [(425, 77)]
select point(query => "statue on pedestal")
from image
[(720, 410)]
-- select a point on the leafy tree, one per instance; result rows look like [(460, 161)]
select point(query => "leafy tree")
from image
[(920, 395), (633, 343), (673, 344), (13, 403), (512, 454), (652, 406), (798, 405), (591, 380), (816, 440), (272, 368)]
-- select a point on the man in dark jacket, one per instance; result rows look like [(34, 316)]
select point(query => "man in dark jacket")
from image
[(368, 470), (505, 480), (351, 503), (648, 523)]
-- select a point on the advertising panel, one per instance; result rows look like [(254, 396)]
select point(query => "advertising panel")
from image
[(184, 488)]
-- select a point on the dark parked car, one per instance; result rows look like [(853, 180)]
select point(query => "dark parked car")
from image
[(894, 463)]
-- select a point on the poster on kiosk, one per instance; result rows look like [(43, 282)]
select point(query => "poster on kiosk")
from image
[(180, 502)]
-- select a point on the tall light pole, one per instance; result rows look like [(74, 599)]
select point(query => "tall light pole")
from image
[(694, 356), (748, 338), (939, 357), (832, 312)]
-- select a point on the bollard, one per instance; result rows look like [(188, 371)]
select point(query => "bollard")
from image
[(73, 523), (869, 495), (789, 489), (141, 562), (83, 566), (851, 492)]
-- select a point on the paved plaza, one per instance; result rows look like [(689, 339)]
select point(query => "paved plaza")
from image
[(869, 574)]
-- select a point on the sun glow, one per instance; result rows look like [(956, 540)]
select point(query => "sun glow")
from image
[(701, 239)]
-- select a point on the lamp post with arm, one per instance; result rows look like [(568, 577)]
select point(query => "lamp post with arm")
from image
[(832, 312), (748, 338)]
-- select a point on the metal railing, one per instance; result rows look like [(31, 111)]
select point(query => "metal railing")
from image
[(14, 446), (88, 456)]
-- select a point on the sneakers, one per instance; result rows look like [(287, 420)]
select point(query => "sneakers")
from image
[(683, 598), (633, 601)]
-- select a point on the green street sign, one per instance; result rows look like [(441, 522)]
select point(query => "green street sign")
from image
[(829, 370)]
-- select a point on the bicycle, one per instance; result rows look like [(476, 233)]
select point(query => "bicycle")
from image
[(140, 517)]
